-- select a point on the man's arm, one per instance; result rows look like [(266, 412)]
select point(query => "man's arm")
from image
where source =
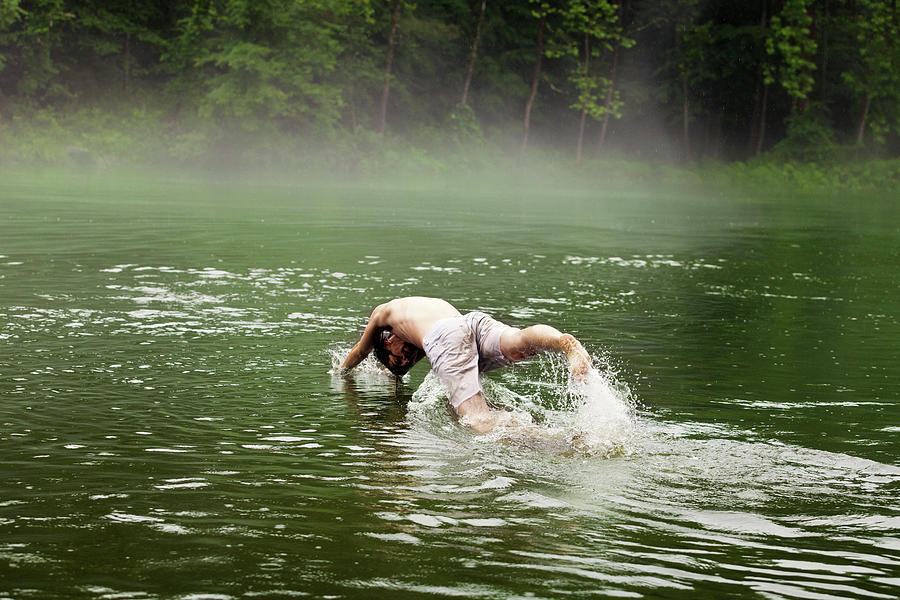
[(527, 342), (378, 321)]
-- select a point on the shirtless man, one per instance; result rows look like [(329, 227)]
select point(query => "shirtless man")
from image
[(459, 347)]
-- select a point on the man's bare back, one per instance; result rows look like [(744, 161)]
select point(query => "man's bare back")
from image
[(408, 319), (411, 318)]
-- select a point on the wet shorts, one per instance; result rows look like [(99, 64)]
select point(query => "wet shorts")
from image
[(460, 348)]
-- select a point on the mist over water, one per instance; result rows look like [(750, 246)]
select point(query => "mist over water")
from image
[(173, 426)]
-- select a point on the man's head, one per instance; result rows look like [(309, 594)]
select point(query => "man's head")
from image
[(395, 354)]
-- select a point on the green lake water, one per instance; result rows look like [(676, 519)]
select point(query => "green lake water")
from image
[(170, 425)]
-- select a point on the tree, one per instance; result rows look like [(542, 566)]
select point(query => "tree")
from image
[(683, 24), (729, 76), (256, 61), (612, 92), (791, 48), (119, 38), (676, 20), (30, 35), (542, 9), (597, 24), (757, 135), (876, 81), (388, 65), (471, 66)]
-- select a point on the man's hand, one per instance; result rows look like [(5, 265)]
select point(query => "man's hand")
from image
[(351, 360), (578, 357), (377, 321)]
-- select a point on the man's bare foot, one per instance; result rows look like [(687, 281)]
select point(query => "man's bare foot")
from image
[(493, 419), (578, 357), (480, 423), (475, 413)]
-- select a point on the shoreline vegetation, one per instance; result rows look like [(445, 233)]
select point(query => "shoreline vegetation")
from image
[(139, 147), (796, 93)]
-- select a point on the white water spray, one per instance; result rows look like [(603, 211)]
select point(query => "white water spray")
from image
[(544, 409), (542, 406), (369, 367)]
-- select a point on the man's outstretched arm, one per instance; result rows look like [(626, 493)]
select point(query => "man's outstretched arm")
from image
[(541, 338), (378, 321)]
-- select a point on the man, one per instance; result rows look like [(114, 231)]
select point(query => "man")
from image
[(459, 347)]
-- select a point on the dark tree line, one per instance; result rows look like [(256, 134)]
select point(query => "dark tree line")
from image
[(684, 78)]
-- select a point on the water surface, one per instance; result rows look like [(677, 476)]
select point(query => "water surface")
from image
[(170, 425)]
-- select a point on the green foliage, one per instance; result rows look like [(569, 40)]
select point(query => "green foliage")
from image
[(882, 176), (462, 125), (591, 93), (28, 35), (718, 71), (184, 79), (875, 76), (428, 58), (10, 12), (683, 64), (254, 60), (791, 47), (596, 19), (594, 28), (808, 140), (42, 139)]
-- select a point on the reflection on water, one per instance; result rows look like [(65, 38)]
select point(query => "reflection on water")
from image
[(171, 423)]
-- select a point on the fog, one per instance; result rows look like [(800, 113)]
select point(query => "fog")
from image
[(625, 93)]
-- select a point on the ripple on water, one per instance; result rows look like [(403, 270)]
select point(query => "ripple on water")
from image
[(704, 491), (164, 301)]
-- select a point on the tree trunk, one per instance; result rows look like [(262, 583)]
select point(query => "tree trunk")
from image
[(823, 70), (758, 122), (680, 32), (764, 107), (609, 94), (389, 61), (471, 67), (685, 115), (754, 117), (536, 79), (127, 63), (587, 72), (804, 104), (712, 136), (861, 129)]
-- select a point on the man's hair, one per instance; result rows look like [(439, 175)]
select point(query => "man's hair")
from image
[(384, 357)]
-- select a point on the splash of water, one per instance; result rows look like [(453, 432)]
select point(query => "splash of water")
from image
[(368, 376), (369, 367), (604, 419), (543, 408)]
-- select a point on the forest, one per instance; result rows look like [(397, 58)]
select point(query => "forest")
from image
[(344, 84)]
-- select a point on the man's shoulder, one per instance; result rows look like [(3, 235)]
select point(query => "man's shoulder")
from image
[(412, 308), (411, 302), (416, 299)]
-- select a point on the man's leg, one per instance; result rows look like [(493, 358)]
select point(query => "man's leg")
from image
[(519, 344), (475, 413)]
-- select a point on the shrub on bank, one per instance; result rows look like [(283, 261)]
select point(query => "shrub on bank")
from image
[(94, 138), (868, 175)]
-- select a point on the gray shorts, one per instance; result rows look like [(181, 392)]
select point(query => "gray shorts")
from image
[(460, 348)]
